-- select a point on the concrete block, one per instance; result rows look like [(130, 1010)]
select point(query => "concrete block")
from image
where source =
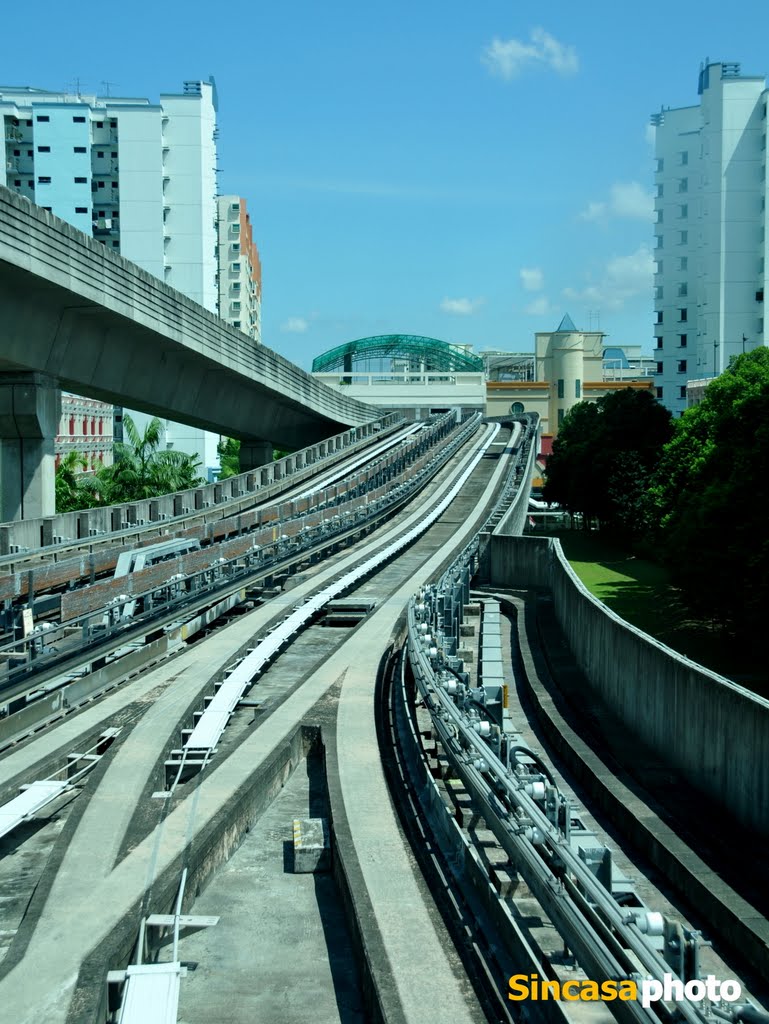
[(467, 629), (312, 845)]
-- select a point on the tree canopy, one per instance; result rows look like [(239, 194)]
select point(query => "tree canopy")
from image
[(141, 469), (604, 456), (710, 495)]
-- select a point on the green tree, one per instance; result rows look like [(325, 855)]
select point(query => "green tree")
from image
[(141, 469), (71, 492), (710, 494), (228, 451), (603, 459)]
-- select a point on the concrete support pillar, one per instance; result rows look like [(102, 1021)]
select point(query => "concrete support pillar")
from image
[(30, 407), (254, 454)]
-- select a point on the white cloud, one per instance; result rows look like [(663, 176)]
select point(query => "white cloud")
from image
[(295, 325), (539, 307), (508, 58), (461, 307), (532, 279), (626, 199), (623, 278)]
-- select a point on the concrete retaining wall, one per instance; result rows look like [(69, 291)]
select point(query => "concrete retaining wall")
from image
[(714, 733)]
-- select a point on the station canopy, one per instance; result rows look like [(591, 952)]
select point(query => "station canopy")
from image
[(436, 356)]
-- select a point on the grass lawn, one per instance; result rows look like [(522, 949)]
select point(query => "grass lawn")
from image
[(641, 592)]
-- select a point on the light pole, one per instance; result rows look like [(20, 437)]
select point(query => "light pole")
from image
[(715, 346), (744, 339)]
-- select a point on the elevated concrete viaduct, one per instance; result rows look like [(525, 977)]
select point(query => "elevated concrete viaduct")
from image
[(75, 315)]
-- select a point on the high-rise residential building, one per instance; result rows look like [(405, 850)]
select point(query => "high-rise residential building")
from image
[(138, 176), (240, 272), (710, 232)]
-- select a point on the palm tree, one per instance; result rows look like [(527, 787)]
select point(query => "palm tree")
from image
[(142, 469)]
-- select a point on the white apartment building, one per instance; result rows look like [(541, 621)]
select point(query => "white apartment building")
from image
[(240, 271), (138, 176), (710, 231)]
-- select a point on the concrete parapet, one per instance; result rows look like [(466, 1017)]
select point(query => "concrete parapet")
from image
[(711, 731)]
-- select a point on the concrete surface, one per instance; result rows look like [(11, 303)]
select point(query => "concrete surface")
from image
[(108, 330), (281, 953), (714, 733)]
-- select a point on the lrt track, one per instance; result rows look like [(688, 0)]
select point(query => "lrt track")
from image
[(183, 617), (108, 863)]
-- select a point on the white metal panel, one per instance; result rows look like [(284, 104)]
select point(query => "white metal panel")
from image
[(34, 797), (151, 994)]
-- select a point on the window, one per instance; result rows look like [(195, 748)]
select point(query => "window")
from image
[(44, 149), (236, 286), (659, 367), (683, 159), (236, 267), (79, 149), (683, 238), (101, 184), (100, 153), (113, 123), (31, 184), (44, 181), (516, 408), (17, 183), (682, 340), (48, 209), (683, 184), (658, 341), (114, 184), (115, 245), (561, 414), (81, 181), (683, 315), (659, 216), (660, 164), (683, 289), (660, 191), (99, 124), (683, 262), (760, 295), (682, 391), (658, 316), (79, 120), (658, 241), (578, 388), (42, 117), (28, 124), (658, 291), (658, 266), (116, 214), (234, 207), (236, 246), (682, 366), (560, 388), (29, 152), (81, 209), (17, 152), (659, 392), (236, 307), (236, 323), (683, 211)]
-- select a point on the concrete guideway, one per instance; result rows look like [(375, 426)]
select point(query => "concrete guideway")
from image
[(80, 317), (79, 913)]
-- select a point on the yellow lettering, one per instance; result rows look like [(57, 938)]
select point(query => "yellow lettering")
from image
[(628, 991), (548, 987), (589, 992), (568, 987), (609, 991), (518, 987)]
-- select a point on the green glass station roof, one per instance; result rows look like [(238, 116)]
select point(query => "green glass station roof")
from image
[(438, 355)]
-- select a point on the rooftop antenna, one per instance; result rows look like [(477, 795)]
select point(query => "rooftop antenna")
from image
[(106, 86), (76, 84)]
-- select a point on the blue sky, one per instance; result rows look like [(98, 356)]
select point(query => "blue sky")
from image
[(469, 172)]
